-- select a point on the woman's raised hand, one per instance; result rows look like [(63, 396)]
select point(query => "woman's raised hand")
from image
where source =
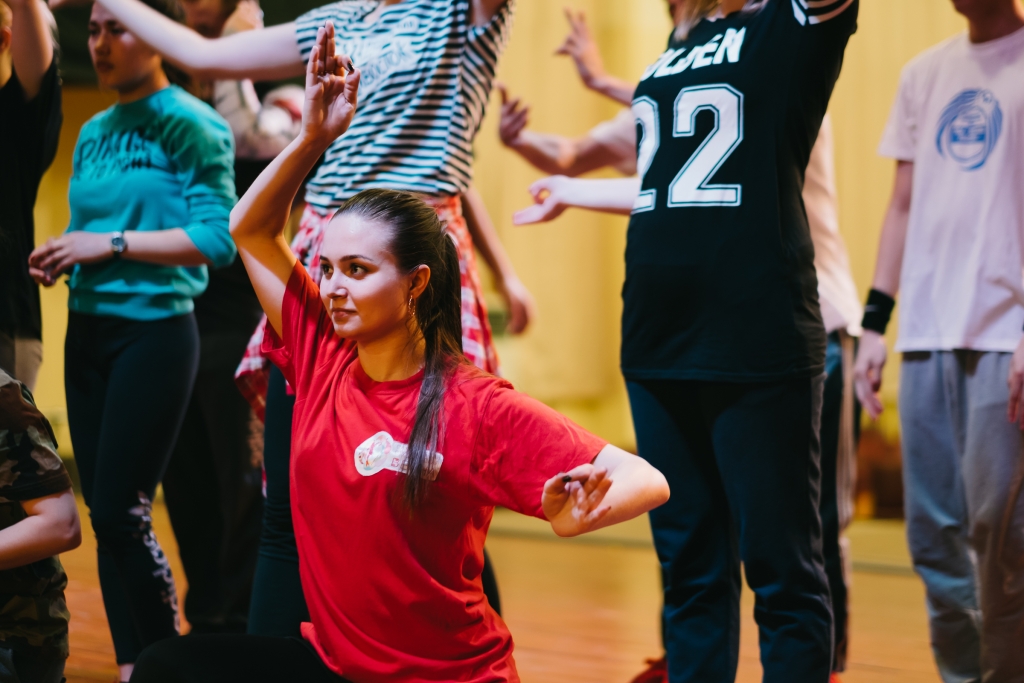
[(332, 89), (574, 501)]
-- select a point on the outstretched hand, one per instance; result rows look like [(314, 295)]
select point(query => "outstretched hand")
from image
[(574, 501), (551, 199), (332, 89)]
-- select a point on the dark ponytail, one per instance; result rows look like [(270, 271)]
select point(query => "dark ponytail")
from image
[(418, 238)]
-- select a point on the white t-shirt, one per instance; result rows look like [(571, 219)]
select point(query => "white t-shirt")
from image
[(837, 292), (959, 116), (840, 305)]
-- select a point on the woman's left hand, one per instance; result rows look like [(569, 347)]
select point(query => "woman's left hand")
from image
[(572, 501), (65, 252)]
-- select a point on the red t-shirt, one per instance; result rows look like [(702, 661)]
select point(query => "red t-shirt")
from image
[(393, 596)]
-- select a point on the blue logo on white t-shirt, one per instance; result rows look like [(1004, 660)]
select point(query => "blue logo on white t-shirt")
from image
[(969, 128)]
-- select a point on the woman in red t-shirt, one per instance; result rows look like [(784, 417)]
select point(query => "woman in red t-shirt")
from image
[(391, 535)]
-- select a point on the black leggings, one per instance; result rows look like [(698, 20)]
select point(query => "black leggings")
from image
[(278, 605), (128, 383), (232, 659)]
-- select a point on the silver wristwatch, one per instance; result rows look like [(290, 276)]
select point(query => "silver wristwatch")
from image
[(117, 243)]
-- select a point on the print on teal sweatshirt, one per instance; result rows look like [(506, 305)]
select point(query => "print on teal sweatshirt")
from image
[(165, 161)]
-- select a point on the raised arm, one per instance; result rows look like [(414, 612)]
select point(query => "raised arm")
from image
[(580, 45), (265, 54), (872, 354), (258, 220), (560, 155), (617, 487), (32, 44), (552, 196)]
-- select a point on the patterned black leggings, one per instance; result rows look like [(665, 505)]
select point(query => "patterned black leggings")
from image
[(128, 384)]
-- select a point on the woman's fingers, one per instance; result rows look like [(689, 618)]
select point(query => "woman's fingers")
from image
[(52, 258), (312, 66), (41, 276), (330, 58)]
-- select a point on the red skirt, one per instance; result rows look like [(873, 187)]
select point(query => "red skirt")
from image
[(477, 342)]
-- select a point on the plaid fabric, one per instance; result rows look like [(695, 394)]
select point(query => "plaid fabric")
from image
[(477, 342)]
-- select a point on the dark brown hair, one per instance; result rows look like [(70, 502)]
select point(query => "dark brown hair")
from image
[(418, 238)]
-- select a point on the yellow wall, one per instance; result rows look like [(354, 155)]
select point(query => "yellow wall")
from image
[(574, 266)]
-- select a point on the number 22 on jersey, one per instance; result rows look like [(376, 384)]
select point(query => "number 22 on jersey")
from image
[(691, 186)]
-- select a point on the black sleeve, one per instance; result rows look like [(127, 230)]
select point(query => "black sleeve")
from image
[(41, 122)]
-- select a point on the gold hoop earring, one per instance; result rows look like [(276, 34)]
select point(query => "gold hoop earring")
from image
[(412, 306)]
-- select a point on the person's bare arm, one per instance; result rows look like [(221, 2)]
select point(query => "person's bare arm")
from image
[(872, 353), (556, 154), (262, 55), (484, 10), (52, 527), (521, 307), (552, 196), (258, 220), (617, 487), (581, 46), (32, 44), (162, 247)]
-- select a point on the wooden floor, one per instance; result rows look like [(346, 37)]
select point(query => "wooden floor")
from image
[(586, 610)]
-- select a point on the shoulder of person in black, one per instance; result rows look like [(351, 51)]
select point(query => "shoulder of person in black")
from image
[(29, 133), (720, 268)]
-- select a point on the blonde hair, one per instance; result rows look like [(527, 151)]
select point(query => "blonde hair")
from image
[(696, 11)]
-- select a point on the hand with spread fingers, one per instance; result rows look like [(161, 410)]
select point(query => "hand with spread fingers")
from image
[(580, 45), (332, 89), (515, 116), (574, 501)]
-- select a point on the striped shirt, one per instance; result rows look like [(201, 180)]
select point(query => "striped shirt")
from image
[(427, 74)]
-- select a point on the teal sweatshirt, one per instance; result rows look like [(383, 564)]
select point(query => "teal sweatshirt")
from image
[(165, 161)]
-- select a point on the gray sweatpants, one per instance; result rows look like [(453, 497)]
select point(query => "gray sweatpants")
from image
[(963, 465)]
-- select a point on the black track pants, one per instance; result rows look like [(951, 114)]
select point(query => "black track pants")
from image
[(743, 464), (128, 384)]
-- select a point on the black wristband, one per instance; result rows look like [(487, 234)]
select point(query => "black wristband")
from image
[(878, 311)]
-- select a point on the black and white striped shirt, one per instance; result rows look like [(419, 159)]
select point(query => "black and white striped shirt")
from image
[(427, 73)]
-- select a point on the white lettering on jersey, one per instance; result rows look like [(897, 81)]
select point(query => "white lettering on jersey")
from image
[(382, 452), (716, 51)]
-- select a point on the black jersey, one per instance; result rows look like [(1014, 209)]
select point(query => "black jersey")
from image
[(720, 282)]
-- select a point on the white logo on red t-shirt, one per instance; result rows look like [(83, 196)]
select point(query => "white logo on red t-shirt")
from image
[(382, 452)]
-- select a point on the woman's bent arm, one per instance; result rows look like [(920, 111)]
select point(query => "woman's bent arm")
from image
[(259, 218), (51, 527), (617, 487), (265, 54)]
